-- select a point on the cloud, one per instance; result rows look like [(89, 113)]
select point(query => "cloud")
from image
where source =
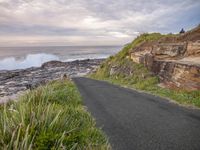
[(93, 22)]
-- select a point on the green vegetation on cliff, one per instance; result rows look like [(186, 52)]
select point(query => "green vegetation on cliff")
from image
[(49, 117), (121, 70), (125, 70)]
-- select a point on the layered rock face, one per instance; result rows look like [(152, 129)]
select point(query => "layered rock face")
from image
[(193, 49), (175, 60), (178, 75)]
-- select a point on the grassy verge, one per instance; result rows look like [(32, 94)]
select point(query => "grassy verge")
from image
[(149, 86), (127, 73), (50, 117)]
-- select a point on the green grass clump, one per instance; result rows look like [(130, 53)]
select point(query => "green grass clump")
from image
[(50, 117), (133, 75), (146, 37)]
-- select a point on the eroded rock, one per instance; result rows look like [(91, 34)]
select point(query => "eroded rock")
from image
[(178, 75), (176, 60)]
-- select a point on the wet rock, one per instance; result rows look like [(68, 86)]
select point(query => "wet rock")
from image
[(52, 64), (15, 81)]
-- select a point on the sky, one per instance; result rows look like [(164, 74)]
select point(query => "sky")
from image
[(91, 22)]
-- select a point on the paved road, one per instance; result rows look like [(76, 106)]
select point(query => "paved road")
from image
[(138, 121)]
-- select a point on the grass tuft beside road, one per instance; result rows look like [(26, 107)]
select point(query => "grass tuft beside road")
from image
[(49, 117)]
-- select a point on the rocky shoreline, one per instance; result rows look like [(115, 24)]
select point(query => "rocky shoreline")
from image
[(14, 82)]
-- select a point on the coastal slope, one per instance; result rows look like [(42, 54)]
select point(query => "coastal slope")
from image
[(165, 65)]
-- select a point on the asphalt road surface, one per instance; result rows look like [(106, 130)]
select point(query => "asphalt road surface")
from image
[(137, 121)]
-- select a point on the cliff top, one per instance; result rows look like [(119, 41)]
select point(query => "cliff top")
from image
[(191, 35)]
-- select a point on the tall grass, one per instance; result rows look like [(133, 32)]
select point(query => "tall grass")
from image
[(50, 117)]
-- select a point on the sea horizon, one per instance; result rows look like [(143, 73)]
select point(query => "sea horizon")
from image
[(22, 57)]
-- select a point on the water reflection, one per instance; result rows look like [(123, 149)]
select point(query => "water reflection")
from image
[(31, 60)]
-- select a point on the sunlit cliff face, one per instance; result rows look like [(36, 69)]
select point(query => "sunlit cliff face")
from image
[(91, 22)]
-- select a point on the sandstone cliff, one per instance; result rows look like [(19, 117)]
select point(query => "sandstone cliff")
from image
[(175, 59)]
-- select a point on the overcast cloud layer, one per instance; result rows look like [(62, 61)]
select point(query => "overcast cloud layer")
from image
[(91, 22)]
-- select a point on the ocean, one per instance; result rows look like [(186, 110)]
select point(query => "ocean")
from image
[(12, 58)]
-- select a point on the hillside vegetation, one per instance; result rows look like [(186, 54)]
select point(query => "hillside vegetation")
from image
[(120, 69), (50, 117)]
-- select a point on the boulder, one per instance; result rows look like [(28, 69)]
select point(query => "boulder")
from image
[(52, 64), (113, 70)]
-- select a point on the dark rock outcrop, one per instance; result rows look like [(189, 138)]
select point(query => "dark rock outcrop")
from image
[(15, 81)]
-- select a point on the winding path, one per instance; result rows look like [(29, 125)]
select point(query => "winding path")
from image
[(139, 121)]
